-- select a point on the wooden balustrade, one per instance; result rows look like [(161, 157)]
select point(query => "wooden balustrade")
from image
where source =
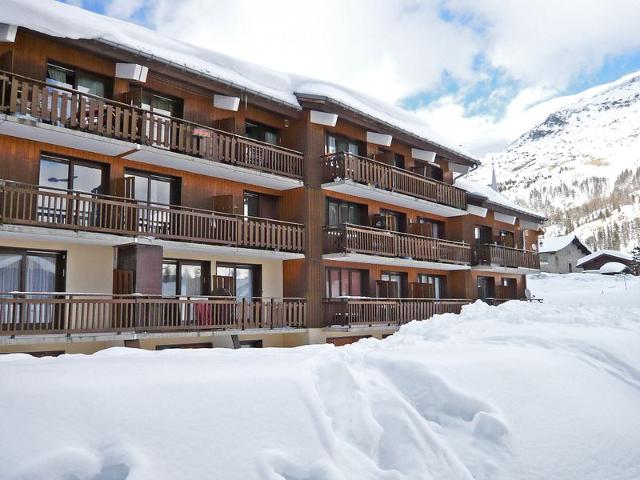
[(81, 111), (373, 241), (49, 313), (389, 311), (489, 254), (30, 205), (387, 177)]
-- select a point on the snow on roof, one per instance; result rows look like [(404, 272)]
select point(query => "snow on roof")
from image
[(555, 244), (494, 197), (613, 267), (66, 21), (612, 253)]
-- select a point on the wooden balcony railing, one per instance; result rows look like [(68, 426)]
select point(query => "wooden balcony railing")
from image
[(489, 254), (81, 111), (374, 241), (50, 313), (388, 311), (370, 172), (23, 204)]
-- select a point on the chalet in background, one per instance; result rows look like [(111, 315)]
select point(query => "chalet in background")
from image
[(158, 195), (562, 254)]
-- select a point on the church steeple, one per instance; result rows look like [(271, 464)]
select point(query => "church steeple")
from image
[(494, 182)]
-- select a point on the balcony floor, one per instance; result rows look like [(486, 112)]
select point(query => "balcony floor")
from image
[(393, 261), (55, 235), (30, 129), (349, 187), (500, 269)]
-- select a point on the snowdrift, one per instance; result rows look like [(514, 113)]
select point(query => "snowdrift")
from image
[(524, 391)]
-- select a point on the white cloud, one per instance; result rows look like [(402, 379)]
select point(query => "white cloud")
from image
[(393, 49)]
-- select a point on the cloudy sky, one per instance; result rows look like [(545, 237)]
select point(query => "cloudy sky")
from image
[(480, 71)]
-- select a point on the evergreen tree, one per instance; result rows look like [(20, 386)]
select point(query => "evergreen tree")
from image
[(635, 263)]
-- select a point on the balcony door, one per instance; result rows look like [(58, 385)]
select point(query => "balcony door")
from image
[(184, 278), (346, 282), (30, 271), (435, 285), (482, 235), (486, 289), (154, 193), (340, 211), (246, 280), (262, 133), (69, 174), (338, 144), (392, 285)]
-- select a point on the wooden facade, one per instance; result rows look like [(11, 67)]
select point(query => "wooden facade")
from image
[(212, 211)]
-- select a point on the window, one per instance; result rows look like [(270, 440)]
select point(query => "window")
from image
[(250, 344), (85, 82), (185, 346), (398, 222), (251, 204), (184, 278), (247, 279), (437, 282), (262, 133), (260, 205), (337, 144), (151, 188), (71, 174), (160, 104), (432, 228), (486, 288), (482, 234), (31, 270), (398, 279), (340, 211), (507, 238), (345, 282), (398, 160)]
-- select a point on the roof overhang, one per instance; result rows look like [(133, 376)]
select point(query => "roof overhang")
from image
[(353, 115)]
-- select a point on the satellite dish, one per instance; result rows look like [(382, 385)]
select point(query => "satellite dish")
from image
[(534, 247)]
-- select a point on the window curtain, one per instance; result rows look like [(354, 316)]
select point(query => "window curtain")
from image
[(57, 75), (10, 267)]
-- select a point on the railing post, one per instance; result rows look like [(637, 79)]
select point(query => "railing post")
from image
[(242, 313)]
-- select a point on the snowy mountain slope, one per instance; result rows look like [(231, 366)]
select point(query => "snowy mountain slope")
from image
[(521, 391), (581, 166)]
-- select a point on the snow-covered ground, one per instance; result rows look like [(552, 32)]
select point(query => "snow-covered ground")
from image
[(521, 391)]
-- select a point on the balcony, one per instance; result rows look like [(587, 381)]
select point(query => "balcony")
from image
[(371, 245), (505, 257), (61, 313), (363, 177), (22, 204), (348, 312), (74, 119)]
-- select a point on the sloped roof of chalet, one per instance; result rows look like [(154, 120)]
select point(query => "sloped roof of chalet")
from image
[(612, 253), (555, 244), (61, 20)]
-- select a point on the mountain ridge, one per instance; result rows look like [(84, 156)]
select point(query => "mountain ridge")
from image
[(581, 166)]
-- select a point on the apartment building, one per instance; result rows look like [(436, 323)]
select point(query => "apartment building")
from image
[(157, 195)]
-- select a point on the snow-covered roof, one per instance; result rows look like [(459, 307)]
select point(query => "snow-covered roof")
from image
[(66, 21), (555, 244), (493, 197), (613, 267), (599, 253)]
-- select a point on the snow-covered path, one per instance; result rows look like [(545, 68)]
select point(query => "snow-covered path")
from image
[(522, 391)]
